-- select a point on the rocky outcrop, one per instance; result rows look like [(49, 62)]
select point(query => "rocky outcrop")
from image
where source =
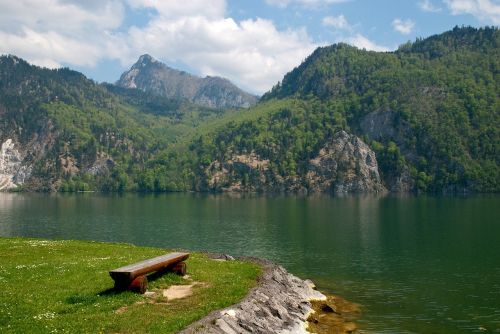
[(150, 75), (281, 303), (12, 172), (36, 165), (345, 164), (241, 173)]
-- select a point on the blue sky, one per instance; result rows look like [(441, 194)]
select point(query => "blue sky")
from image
[(253, 43)]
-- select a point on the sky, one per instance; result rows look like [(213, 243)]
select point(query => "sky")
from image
[(251, 42)]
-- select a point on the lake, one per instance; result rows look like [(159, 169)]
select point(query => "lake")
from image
[(416, 264)]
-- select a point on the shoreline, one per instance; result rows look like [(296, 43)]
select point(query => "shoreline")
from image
[(280, 303)]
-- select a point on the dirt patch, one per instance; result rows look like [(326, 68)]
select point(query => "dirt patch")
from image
[(178, 291), (163, 296), (173, 292)]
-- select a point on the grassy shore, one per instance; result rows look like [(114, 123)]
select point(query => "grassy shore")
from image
[(64, 286)]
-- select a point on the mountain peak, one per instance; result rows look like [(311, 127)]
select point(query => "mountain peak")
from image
[(144, 60), (151, 75)]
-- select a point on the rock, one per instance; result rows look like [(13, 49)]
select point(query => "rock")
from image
[(279, 304), (12, 171), (310, 283), (334, 315), (231, 313), (344, 165), (220, 257), (401, 182), (224, 327), (102, 165)]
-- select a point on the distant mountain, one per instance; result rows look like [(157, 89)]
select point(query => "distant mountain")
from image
[(150, 75)]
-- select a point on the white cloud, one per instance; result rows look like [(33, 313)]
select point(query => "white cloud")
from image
[(339, 22), (404, 27), (303, 3), (487, 11), (49, 49), (50, 32), (64, 15), (362, 42), (252, 53), (428, 6)]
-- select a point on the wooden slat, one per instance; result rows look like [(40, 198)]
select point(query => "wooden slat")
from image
[(128, 273)]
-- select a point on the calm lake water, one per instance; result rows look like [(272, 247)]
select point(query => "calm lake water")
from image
[(415, 264)]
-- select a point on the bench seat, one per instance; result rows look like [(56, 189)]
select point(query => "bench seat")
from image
[(133, 276)]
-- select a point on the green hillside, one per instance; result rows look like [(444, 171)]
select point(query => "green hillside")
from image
[(422, 118), (77, 135), (430, 111)]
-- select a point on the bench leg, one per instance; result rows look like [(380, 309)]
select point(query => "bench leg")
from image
[(139, 284), (180, 268)]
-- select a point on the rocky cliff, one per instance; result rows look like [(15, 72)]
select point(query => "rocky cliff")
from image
[(345, 164), (150, 75), (38, 164), (23, 156), (12, 172)]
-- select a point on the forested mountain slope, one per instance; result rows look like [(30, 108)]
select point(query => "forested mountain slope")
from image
[(422, 118), (61, 131), (429, 111)]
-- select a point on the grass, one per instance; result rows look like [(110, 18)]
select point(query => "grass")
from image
[(64, 287)]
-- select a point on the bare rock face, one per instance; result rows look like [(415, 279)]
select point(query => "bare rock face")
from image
[(12, 172), (345, 165), (281, 303), (241, 173)]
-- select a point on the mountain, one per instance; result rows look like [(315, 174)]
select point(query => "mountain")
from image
[(425, 117), (62, 131), (150, 75)]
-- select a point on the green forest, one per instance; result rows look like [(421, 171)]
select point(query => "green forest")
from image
[(429, 110)]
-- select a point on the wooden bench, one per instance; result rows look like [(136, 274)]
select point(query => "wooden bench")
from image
[(133, 277)]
